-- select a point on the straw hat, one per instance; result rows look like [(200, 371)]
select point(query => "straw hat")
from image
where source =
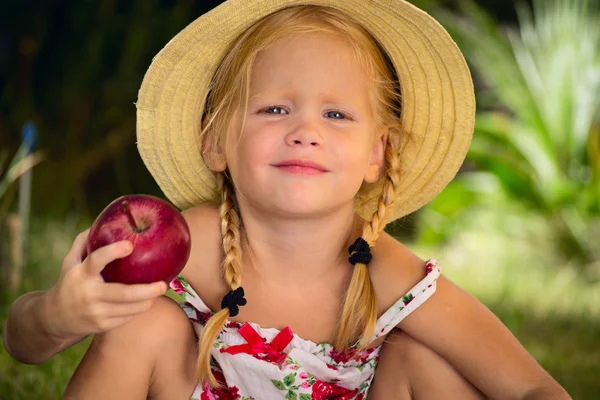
[(438, 104)]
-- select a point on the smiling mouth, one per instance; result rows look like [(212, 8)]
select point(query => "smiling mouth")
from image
[(302, 167)]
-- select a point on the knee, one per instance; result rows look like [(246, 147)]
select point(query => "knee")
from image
[(163, 323), (151, 330), (123, 360), (425, 374), (401, 355), (404, 349), (392, 375), (401, 349)]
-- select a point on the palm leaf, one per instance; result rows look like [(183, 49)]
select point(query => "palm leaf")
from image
[(539, 85), (557, 53), (21, 163), (546, 76)]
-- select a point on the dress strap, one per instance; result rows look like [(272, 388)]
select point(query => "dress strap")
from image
[(410, 301), (187, 293)]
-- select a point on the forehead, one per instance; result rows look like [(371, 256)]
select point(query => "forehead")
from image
[(312, 62)]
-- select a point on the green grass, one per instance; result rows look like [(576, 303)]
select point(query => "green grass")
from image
[(507, 259), (504, 259), (566, 347), (45, 381)]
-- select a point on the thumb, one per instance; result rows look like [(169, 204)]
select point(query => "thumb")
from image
[(99, 258), (78, 251)]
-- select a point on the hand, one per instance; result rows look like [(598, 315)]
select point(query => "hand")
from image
[(81, 303)]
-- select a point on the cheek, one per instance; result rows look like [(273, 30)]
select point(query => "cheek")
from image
[(253, 151), (352, 158), (356, 153)]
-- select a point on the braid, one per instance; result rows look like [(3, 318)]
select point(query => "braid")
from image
[(230, 232), (359, 315), (373, 229)]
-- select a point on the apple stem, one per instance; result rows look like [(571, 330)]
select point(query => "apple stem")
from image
[(127, 211)]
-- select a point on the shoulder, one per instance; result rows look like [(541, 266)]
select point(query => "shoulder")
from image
[(395, 269), (205, 235), (203, 270), (165, 319), (203, 221)]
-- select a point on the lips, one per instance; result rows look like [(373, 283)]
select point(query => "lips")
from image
[(301, 167)]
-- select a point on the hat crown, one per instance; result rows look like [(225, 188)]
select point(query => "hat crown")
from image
[(438, 106)]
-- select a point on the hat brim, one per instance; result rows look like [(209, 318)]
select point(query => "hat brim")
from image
[(438, 103)]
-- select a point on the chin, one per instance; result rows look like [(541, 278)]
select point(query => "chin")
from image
[(296, 200), (302, 208)]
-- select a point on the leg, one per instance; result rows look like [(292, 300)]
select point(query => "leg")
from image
[(409, 370), (135, 360)]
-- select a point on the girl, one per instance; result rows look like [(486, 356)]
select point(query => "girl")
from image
[(292, 132)]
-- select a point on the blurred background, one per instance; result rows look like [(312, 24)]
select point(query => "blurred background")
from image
[(518, 228)]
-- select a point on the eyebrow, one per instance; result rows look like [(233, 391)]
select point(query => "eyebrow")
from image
[(326, 98), (351, 108)]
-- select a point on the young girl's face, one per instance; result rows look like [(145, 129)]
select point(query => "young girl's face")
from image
[(309, 100)]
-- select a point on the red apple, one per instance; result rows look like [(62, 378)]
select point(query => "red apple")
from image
[(159, 234)]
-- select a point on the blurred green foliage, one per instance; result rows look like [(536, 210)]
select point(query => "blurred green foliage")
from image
[(537, 132), (10, 171), (74, 68)]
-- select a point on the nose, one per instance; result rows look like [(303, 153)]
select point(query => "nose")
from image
[(306, 133)]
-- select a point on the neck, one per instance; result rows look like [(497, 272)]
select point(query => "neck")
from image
[(286, 248)]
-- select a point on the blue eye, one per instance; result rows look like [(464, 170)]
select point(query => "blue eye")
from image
[(280, 111), (336, 115)]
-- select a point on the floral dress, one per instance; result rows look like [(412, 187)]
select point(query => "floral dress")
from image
[(252, 362)]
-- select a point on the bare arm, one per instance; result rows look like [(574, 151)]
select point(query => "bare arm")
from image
[(29, 340), (81, 303), (547, 393), (41, 324), (481, 348), (460, 329)]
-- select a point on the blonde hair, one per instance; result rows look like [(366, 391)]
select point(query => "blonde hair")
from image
[(230, 89)]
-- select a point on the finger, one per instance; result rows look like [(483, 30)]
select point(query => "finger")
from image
[(78, 248), (128, 309), (84, 254), (99, 258), (122, 293), (113, 323)]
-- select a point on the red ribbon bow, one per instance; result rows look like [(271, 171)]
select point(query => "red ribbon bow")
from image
[(257, 345)]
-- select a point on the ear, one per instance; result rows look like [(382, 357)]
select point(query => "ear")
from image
[(377, 157), (213, 155)]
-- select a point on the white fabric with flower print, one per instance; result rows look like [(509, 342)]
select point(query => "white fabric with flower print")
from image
[(265, 363)]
